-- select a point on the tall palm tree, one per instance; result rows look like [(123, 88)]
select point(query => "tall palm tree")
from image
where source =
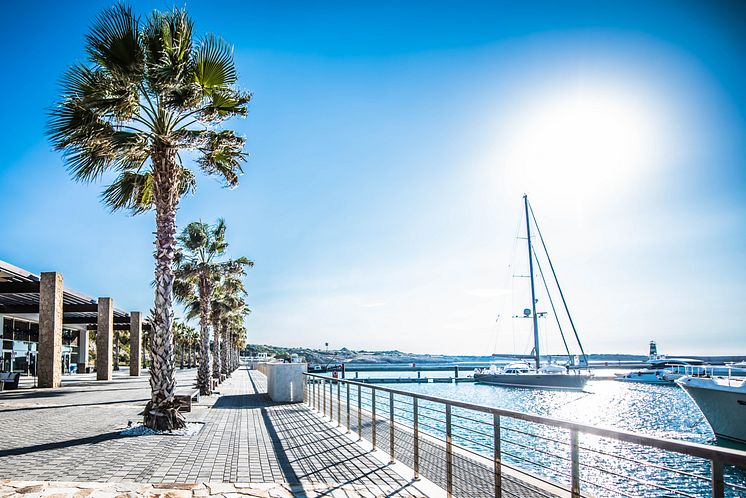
[(148, 92), (197, 270)]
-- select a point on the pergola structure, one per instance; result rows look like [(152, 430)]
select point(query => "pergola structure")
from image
[(44, 298)]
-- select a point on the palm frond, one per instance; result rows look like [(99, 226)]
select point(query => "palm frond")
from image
[(183, 291), (195, 236), (224, 104), (114, 43), (168, 41), (132, 191), (213, 64), (222, 155)]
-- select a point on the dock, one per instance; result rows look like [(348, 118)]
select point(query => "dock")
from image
[(414, 380)]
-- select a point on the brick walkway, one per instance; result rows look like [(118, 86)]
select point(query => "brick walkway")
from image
[(73, 434)]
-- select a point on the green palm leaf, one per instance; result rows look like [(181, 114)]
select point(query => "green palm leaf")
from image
[(213, 64)]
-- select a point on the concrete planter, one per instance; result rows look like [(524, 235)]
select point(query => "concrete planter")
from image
[(284, 381)]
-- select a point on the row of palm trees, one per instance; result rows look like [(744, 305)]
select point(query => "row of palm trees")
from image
[(148, 95), (212, 290)]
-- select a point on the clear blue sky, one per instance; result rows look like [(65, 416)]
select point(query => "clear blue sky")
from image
[(390, 145)]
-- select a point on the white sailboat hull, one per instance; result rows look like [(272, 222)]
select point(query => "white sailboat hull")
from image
[(574, 382)]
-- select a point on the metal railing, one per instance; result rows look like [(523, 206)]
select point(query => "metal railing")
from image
[(473, 450)]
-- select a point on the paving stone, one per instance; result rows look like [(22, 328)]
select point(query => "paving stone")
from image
[(246, 438), (30, 489)]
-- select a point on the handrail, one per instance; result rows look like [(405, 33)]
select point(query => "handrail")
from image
[(723, 456)]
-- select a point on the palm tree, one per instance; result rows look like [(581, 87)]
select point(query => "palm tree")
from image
[(228, 303), (197, 269), (148, 92)]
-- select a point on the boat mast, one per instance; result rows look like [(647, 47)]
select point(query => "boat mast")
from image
[(537, 356)]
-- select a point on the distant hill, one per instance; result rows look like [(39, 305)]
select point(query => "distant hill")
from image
[(344, 355)]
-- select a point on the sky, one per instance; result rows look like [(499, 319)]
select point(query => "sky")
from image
[(390, 144)]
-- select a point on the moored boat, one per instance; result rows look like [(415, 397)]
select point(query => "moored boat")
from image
[(647, 376), (722, 401), (523, 375), (547, 376)]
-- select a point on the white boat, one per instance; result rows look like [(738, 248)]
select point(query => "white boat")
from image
[(546, 376), (647, 376), (664, 370), (722, 400)]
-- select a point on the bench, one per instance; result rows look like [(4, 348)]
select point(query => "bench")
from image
[(10, 379), (184, 400)]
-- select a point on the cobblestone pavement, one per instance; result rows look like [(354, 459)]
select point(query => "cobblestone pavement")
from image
[(73, 434), (46, 489)]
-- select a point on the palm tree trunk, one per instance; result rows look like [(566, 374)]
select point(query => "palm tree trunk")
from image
[(216, 349), (234, 356), (204, 381), (224, 349), (161, 412)]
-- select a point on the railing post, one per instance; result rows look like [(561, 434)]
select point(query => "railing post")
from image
[(359, 413), (317, 389), (416, 430), (718, 483), (373, 414), (449, 453), (575, 462), (339, 403), (497, 456), (331, 401), (348, 407), (323, 389), (391, 426)]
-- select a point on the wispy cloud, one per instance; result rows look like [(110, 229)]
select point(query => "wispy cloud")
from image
[(374, 305)]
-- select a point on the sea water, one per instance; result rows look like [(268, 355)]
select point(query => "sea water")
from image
[(664, 411)]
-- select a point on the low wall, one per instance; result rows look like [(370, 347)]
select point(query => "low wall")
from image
[(284, 381)]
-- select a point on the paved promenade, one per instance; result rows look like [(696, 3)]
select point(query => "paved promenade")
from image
[(73, 434)]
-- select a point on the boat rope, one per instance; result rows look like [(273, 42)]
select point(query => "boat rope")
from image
[(556, 280)]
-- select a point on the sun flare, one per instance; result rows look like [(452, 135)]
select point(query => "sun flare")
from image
[(580, 142)]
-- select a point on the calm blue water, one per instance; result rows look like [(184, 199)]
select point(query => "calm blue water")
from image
[(663, 411)]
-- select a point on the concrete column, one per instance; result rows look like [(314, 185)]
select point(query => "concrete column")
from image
[(82, 351), (135, 342), (104, 341), (49, 359)]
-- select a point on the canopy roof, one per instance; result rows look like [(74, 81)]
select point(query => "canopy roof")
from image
[(19, 296)]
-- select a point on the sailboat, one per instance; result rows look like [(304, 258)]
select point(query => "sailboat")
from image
[(547, 376)]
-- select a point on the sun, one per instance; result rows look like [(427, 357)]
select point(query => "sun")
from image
[(581, 141)]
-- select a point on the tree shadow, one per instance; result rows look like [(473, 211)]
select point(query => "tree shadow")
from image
[(25, 450)]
